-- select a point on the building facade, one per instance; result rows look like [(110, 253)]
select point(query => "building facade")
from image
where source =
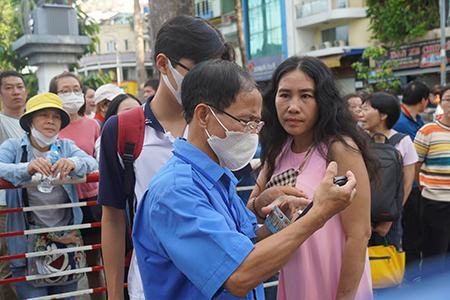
[(265, 36), (336, 31), (116, 51)]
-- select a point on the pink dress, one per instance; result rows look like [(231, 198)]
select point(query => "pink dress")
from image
[(313, 272)]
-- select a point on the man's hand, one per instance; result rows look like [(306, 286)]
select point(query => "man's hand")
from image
[(289, 205), (276, 195), (329, 199)]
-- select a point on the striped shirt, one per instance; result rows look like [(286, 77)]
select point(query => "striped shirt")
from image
[(432, 143)]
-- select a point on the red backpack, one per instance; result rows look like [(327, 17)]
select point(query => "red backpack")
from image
[(130, 138)]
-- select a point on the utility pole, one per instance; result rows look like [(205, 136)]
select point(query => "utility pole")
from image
[(443, 68)]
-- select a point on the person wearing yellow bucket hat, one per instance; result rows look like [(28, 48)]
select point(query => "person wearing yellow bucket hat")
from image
[(20, 160)]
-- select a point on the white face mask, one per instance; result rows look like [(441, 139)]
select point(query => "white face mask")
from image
[(234, 151), (178, 80), (41, 139), (72, 103)]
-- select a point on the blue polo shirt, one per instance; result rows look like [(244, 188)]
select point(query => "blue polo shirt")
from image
[(406, 124), (192, 231)]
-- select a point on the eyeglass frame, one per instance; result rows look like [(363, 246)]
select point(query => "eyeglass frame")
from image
[(249, 126), (67, 93), (177, 62)]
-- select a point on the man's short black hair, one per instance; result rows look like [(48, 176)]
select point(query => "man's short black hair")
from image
[(214, 82), (10, 74), (153, 83), (414, 92)]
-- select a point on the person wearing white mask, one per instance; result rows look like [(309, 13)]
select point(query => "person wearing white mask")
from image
[(191, 209), (20, 160), (69, 89)]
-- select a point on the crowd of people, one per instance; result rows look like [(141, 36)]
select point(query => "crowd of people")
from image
[(169, 165)]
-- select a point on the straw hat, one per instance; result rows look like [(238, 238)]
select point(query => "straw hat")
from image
[(43, 101)]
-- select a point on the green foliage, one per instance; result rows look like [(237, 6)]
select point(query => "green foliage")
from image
[(31, 82), (96, 79), (376, 74), (10, 30), (394, 22), (88, 27)]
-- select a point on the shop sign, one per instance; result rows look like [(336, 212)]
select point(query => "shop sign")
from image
[(421, 55)]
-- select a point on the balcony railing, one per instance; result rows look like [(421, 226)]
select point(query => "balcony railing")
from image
[(306, 8)]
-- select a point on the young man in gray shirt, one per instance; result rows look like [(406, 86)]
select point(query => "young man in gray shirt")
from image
[(13, 95)]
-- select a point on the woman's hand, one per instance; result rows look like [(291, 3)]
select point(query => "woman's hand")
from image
[(63, 166), (40, 165)]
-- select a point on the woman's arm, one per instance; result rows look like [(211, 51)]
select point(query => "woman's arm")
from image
[(355, 219), (16, 173)]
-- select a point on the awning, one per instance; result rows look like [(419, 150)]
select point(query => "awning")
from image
[(333, 61)]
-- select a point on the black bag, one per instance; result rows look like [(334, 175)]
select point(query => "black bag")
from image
[(387, 194)]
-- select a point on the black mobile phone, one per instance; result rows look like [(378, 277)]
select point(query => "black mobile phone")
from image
[(338, 180)]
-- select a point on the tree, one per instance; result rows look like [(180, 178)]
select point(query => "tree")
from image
[(141, 74), (376, 73), (240, 30), (163, 10), (394, 22), (10, 30)]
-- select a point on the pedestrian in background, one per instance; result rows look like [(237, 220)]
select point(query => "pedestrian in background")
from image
[(13, 94), (433, 147), (69, 89)]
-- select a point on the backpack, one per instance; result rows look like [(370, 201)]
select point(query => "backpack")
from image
[(387, 194), (130, 139)]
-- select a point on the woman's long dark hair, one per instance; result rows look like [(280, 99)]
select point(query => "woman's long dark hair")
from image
[(333, 124)]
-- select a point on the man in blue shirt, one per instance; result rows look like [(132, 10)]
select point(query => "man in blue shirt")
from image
[(415, 100), (194, 238)]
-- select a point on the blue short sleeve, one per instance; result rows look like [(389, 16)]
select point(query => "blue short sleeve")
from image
[(205, 248)]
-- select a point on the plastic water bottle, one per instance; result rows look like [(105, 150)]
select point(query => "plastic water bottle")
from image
[(45, 185)]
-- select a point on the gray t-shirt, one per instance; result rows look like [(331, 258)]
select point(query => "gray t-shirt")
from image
[(9, 128), (49, 218)]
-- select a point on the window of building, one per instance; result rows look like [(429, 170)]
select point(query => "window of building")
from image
[(203, 9), (126, 45), (111, 46), (264, 28), (336, 34), (341, 3)]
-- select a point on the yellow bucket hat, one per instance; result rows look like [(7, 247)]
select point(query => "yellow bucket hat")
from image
[(43, 101)]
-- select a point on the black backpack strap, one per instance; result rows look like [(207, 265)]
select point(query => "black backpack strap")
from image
[(373, 137), (396, 138), (26, 203), (129, 178)]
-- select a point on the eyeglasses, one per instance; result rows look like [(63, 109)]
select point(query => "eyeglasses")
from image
[(180, 64), (249, 126), (66, 93)]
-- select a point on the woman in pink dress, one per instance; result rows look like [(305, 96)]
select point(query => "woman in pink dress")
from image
[(307, 125)]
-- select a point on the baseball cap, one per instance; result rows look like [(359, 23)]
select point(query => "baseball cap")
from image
[(106, 91)]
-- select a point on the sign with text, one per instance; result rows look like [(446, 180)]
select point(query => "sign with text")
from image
[(419, 55)]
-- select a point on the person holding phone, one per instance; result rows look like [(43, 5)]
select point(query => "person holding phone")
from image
[(193, 236)]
